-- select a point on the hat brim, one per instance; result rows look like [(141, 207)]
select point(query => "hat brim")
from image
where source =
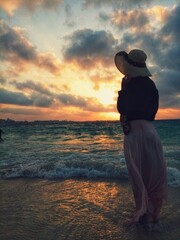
[(127, 69)]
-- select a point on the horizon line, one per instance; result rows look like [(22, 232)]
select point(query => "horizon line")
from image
[(65, 120)]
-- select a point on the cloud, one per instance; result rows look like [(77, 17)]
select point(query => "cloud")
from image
[(30, 85), (102, 76), (168, 84), (136, 19), (116, 3), (18, 98), (14, 44), (170, 33), (161, 41), (104, 17), (84, 103), (41, 100), (49, 62), (16, 49), (41, 97), (9, 97), (20, 111), (39, 94), (2, 80), (70, 100), (69, 16), (171, 27), (87, 48), (9, 6)]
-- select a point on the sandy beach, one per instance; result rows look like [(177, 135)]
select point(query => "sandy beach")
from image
[(77, 209)]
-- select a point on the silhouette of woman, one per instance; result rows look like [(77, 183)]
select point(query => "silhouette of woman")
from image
[(138, 104)]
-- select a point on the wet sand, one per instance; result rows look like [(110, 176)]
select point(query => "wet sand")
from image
[(77, 210)]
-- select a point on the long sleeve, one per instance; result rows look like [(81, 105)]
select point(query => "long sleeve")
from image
[(139, 100)]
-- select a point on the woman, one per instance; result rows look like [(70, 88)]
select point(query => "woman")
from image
[(138, 104)]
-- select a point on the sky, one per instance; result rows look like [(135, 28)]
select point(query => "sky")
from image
[(57, 56)]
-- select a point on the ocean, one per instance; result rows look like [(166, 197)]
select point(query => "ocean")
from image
[(66, 149), (64, 180)]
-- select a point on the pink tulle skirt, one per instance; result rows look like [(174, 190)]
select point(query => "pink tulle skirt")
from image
[(146, 167)]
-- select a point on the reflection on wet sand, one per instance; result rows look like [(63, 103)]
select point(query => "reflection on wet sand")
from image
[(74, 209)]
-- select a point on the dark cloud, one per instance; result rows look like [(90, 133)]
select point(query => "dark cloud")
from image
[(170, 32), (15, 48), (71, 100), (40, 95), (18, 98), (13, 44), (9, 97), (161, 43), (39, 100), (169, 58), (40, 92), (30, 85), (171, 27), (87, 48), (86, 104), (168, 83)]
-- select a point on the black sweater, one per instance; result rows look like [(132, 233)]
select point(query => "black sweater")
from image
[(139, 100)]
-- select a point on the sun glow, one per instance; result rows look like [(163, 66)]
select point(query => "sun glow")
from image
[(105, 96)]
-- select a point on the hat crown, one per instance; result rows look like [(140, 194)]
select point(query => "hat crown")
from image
[(137, 55)]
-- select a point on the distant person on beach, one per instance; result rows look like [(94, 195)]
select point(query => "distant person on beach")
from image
[(138, 103), (1, 131)]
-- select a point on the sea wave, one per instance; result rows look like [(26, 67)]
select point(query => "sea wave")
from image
[(63, 171), (67, 170)]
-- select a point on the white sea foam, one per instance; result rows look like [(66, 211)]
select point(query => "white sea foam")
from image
[(73, 170), (61, 171)]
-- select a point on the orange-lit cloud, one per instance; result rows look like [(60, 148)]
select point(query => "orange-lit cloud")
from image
[(102, 76), (10, 6), (136, 20), (140, 19)]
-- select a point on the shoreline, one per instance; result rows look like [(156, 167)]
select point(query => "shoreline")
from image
[(75, 209)]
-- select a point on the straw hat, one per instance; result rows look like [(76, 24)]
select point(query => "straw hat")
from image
[(132, 63)]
